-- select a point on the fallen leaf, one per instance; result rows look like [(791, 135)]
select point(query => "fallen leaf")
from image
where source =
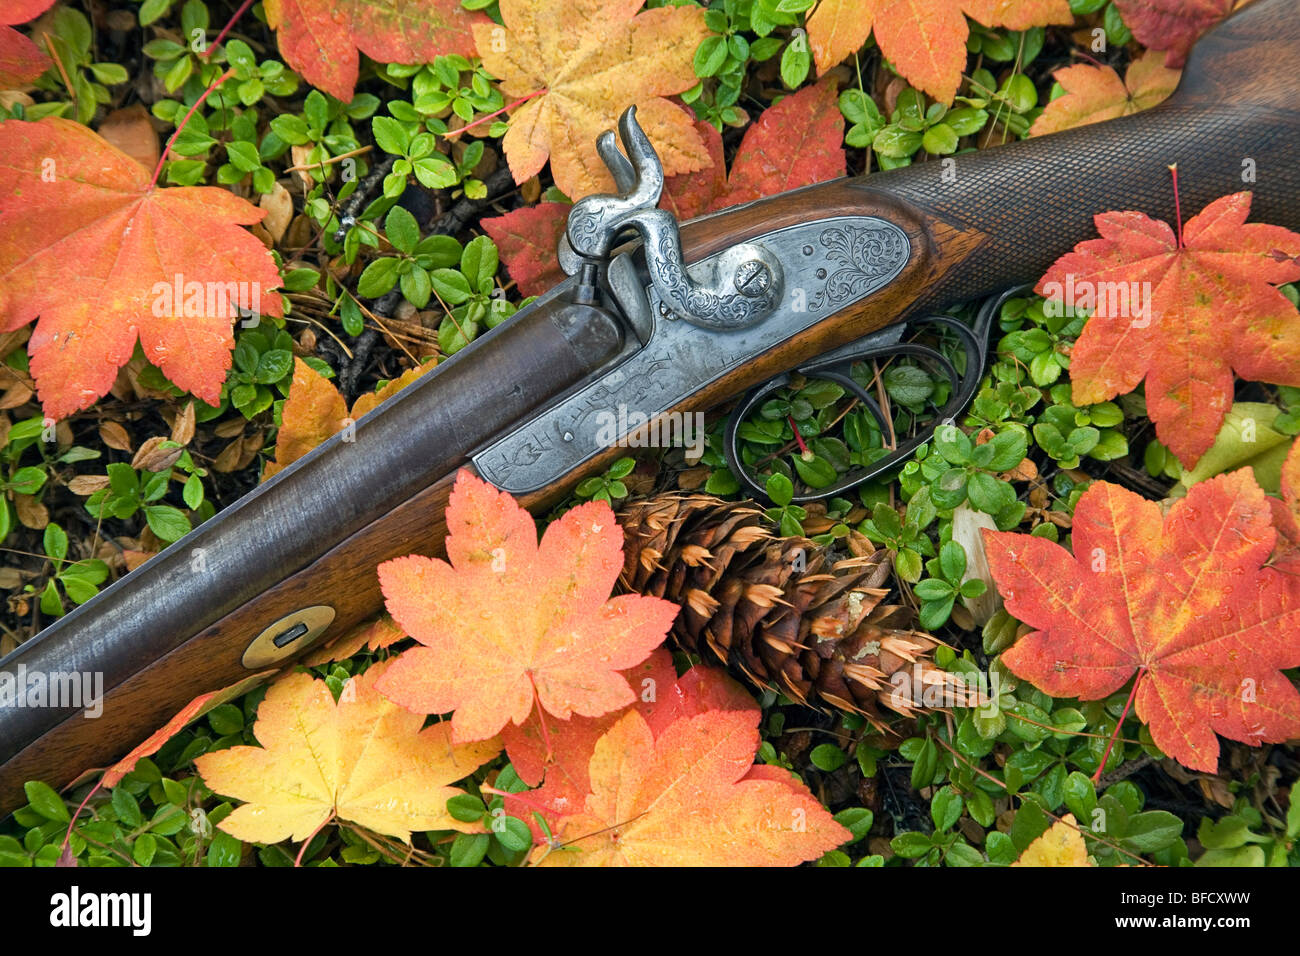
[(581, 63), (559, 751), (363, 760), (315, 410), (321, 41), (1184, 601), (1213, 310), (508, 622), (528, 238), (926, 42), (75, 202), (183, 425), (115, 436), (1247, 439), (153, 457), (21, 60), (131, 130), (836, 30), (1171, 25), (797, 142), (279, 211), (1286, 513), (1096, 93), (374, 634), (86, 485), (688, 195), (1061, 845), (31, 512), (690, 797), (189, 713)]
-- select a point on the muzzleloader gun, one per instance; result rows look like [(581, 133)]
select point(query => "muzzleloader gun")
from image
[(664, 318)]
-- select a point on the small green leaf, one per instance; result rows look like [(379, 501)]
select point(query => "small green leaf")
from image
[(828, 757), (46, 802)]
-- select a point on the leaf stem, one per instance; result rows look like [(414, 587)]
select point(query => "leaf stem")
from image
[(67, 81), (360, 151), (227, 28), (1178, 209), (1096, 777), (197, 103), (803, 448), (484, 119), (311, 836)]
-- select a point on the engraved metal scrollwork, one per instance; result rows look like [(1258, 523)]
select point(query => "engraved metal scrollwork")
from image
[(864, 256)]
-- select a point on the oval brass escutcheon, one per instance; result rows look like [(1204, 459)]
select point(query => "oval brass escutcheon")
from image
[(287, 636)]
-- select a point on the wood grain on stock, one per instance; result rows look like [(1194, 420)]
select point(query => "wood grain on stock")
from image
[(1008, 214)]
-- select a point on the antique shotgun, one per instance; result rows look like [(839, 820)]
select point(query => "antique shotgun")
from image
[(679, 321)]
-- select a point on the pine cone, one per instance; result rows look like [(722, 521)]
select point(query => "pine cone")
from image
[(783, 612)]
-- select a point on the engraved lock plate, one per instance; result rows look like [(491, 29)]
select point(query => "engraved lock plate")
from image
[(828, 265), (287, 636)]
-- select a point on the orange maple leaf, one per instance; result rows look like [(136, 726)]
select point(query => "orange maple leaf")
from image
[(560, 751), (925, 41), (1185, 601), (321, 40), (508, 621), (375, 634), (362, 759), (315, 410), (21, 60), (1183, 312), (103, 257), (580, 63), (690, 797), (1096, 93)]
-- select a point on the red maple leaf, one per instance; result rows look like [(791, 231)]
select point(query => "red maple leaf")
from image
[(90, 245), (21, 60), (321, 40), (1183, 312), (797, 142), (1184, 601), (1171, 25), (509, 622), (528, 238)]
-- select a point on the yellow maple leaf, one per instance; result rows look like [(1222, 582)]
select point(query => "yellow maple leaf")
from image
[(1061, 845), (581, 63), (1096, 93), (315, 410), (363, 759)]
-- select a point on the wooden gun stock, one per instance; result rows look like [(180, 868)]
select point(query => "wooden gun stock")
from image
[(314, 534)]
